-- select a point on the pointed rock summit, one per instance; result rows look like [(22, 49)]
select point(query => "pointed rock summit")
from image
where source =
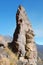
[(23, 43)]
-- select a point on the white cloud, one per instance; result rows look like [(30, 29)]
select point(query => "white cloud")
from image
[(38, 32)]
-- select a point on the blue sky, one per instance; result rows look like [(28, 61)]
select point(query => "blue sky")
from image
[(34, 9)]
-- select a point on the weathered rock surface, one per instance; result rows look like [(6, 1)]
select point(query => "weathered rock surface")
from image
[(23, 39)]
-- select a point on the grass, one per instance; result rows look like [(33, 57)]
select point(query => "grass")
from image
[(9, 61)]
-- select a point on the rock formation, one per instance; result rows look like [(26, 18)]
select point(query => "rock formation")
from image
[(23, 39)]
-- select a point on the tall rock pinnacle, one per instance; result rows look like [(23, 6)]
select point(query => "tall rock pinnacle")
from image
[(23, 42)]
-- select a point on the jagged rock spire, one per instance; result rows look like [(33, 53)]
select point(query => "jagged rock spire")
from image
[(23, 39)]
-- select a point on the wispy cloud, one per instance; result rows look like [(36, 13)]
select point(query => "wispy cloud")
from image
[(39, 32)]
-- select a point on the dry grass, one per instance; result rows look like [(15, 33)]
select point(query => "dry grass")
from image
[(9, 61), (10, 53), (6, 61)]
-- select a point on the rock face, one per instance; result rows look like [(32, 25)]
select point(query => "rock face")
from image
[(23, 39)]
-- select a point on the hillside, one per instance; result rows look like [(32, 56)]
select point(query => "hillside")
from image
[(9, 38)]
